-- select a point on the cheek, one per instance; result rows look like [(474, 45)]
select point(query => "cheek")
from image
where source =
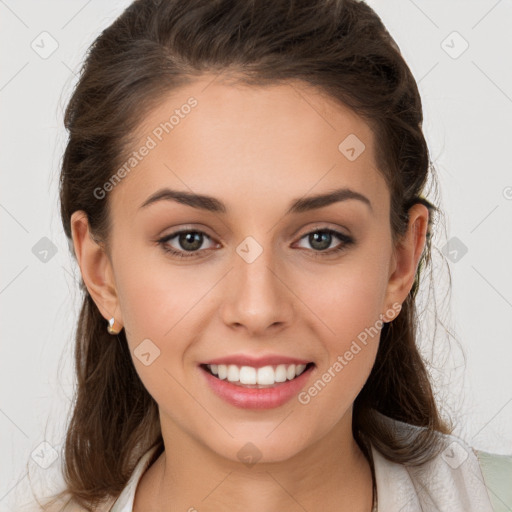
[(160, 304), (156, 298), (349, 308), (351, 312), (349, 296)]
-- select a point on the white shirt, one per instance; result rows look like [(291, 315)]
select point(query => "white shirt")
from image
[(451, 482)]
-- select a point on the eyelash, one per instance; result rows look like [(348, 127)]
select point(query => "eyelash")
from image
[(346, 241)]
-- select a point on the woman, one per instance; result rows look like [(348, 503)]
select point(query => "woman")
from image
[(243, 187)]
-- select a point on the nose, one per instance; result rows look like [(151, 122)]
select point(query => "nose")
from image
[(257, 298)]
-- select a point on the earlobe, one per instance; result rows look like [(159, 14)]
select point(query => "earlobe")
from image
[(95, 267), (407, 254)]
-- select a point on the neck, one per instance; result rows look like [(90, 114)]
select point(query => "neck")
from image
[(332, 474)]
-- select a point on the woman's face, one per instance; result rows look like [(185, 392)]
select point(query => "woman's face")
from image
[(261, 275)]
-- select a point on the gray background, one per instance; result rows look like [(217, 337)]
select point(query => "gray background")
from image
[(467, 97)]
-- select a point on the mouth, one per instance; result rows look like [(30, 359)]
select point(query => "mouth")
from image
[(269, 376)]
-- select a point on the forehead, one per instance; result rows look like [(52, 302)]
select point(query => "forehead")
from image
[(251, 143)]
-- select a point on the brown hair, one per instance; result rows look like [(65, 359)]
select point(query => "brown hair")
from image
[(342, 48)]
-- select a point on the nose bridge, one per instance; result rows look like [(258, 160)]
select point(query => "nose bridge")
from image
[(257, 295)]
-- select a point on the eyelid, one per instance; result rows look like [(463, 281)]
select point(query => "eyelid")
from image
[(345, 241), (175, 234), (186, 228), (325, 226), (315, 227)]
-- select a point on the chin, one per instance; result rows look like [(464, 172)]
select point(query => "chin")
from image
[(260, 449)]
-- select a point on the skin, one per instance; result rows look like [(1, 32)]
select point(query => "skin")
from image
[(255, 149)]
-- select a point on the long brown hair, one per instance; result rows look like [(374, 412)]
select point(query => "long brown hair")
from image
[(342, 48)]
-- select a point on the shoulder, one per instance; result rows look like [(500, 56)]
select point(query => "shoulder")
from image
[(459, 478), (122, 503), (60, 506)]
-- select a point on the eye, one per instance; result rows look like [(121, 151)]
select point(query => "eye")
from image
[(321, 239), (189, 242)]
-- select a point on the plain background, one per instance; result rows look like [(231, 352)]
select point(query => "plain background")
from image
[(467, 99)]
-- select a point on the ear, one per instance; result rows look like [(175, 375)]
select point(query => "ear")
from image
[(95, 267), (406, 256)]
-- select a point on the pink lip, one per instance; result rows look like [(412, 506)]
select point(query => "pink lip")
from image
[(256, 362), (254, 398)]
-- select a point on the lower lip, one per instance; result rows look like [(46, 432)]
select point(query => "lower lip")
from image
[(254, 398)]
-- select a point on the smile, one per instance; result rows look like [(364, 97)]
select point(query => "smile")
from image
[(260, 378), (250, 387)]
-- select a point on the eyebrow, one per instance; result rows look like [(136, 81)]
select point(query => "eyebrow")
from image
[(211, 204)]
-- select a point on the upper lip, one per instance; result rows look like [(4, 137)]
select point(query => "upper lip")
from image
[(256, 362)]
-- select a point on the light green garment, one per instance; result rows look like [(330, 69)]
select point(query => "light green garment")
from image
[(497, 473)]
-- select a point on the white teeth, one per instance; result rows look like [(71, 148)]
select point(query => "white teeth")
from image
[(247, 375), (281, 373), (265, 376), (299, 369), (233, 373), (222, 370)]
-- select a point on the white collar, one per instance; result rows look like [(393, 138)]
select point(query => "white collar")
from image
[(437, 486), (451, 482)]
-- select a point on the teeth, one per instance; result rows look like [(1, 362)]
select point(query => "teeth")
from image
[(248, 375), (290, 372), (265, 376), (222, 370)]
